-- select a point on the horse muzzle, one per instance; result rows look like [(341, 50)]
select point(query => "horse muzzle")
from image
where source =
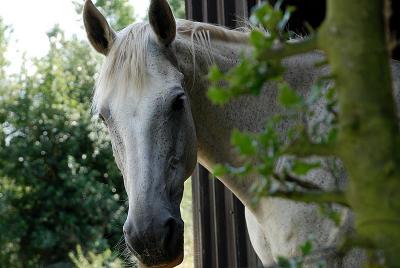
[(156, 244), (172, 264)]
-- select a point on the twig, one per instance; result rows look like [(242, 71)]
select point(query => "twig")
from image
[(321, 63), (353, 241), (337, 197), (302, 147), (289, 49), (290, 178)]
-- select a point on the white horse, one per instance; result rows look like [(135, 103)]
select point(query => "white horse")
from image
[(151, 94)]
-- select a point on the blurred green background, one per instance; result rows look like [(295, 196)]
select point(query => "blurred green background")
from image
[(62, 199)]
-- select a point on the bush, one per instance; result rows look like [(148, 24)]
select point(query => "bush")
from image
[(105, 259), (59, 183)]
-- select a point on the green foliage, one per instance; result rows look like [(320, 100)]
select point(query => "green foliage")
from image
[(288, 263), (59, 181), (4, 32), (287, 97), (119, 13), (302, 168), (331, 213), (301, 261), (251, 73), (91, 259), (59, 185), (220, 170), (261, 151), (296, 124), (306, 248), (244, 143), (178, 7), (272, 18)]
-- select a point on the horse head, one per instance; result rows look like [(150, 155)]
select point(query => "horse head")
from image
[(141, 98)]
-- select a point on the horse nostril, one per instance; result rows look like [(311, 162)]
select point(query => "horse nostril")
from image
[(159, 243)]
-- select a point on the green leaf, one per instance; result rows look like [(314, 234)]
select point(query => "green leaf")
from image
[(218, 95), (260, 12), (302, 168), (283, 262), (306, 248), (243, 142), (215, 75), (267, 168), (332, 135), (335, 217), (330, 95), (332, 214), (287, 97), (220, 170), (257, 39)]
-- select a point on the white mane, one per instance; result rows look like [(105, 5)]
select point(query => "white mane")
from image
[(126, 63)]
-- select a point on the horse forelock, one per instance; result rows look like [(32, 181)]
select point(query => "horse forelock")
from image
[(125, 67)]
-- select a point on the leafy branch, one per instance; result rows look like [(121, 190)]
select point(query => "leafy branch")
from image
[(337, 197), (353, 241), (284, 50), (303, 147), (262, 151), (308, 256), (301, 183)]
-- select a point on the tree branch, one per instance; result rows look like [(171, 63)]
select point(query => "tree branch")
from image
[(289, 49), (313, 197), (302, 147), (353, 241), (290, 178)]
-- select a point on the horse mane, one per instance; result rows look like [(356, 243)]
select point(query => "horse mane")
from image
[(126, 62), (216, 32)]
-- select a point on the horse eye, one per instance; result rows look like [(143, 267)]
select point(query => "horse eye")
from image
[(179, 102)]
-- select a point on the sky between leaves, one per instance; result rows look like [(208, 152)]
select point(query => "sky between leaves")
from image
[(31, 20)]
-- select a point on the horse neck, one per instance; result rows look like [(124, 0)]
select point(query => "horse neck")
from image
[(214, 124)]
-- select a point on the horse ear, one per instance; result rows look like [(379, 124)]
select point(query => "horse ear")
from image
[(162, 21), (99, 32)]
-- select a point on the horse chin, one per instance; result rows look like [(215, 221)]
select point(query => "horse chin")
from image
[(172, 264), (171, 257)]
